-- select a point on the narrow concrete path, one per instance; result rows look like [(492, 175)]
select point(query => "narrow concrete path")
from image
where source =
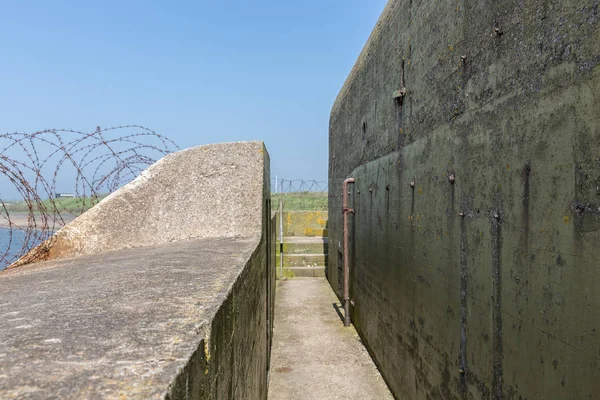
[(314, 356)]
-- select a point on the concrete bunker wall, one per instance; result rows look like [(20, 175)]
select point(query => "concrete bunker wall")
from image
[(164, 290), (234, 362), (206, 191), (483, 285)]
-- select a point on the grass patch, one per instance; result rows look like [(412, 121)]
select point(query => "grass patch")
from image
[(300, 201), (73, 205)]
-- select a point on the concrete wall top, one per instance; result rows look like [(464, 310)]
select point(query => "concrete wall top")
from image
[(202, 192), (124, 324)]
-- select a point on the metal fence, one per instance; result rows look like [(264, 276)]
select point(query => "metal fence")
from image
[(299, 195)]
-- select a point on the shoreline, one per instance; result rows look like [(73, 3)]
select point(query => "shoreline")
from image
[(21, 221)]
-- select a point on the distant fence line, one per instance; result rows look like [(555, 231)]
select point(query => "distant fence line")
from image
[(279, 185), (85, 166), (299, 195)]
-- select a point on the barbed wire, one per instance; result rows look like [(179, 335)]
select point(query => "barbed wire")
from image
[(297, 186), (300, 195), (34, 165)]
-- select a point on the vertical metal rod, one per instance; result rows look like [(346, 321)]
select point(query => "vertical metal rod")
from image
[(281, 237), (346, 211)]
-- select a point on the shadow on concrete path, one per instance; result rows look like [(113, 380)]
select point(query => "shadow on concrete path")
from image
[(314, 356)]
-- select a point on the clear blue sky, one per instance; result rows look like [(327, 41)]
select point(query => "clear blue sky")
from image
[(196, 71)]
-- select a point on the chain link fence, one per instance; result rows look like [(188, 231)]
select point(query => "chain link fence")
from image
[(299, 195)]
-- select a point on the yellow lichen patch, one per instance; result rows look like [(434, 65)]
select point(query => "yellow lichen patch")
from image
[(315, 232), (206, 351), (420, 190), (567, 219)]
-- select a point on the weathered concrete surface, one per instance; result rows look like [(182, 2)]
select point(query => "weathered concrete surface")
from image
[(305, 244), (314, 356), (190, 319), (136, 323), (305, 223), (502, 95), (304, 253), (195, 193)]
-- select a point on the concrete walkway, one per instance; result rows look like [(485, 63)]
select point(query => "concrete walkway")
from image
[(314, 356)]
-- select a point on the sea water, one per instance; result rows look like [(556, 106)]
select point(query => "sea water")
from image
[(14, 246)]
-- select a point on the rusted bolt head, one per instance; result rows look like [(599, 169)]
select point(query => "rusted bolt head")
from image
[(451, 178), (412, 184)]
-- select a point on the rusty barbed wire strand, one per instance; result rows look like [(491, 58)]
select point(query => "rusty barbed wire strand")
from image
[(300, 195), (34, 165)]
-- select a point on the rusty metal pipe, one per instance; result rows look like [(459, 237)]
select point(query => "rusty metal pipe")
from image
[(346, 211)]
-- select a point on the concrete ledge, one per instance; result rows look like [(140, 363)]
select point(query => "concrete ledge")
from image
[(134, 323), (304, 272), (165, 290), (319, 246), (304, 260)]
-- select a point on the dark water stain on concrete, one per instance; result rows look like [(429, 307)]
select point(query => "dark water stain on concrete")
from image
[(463, 308), (525, 203), (399, 114), (497, 349)]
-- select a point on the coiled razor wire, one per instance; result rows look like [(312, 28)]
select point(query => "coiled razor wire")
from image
[(33, 166), (300, 195)]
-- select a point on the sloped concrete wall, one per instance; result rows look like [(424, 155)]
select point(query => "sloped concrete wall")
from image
[(166, 290), (192, 194), (484, 287)]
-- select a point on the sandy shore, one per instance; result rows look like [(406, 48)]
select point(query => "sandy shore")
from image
[(20, 221)]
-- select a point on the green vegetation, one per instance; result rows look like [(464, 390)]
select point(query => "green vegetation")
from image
[(300, 201), (72, 206)]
